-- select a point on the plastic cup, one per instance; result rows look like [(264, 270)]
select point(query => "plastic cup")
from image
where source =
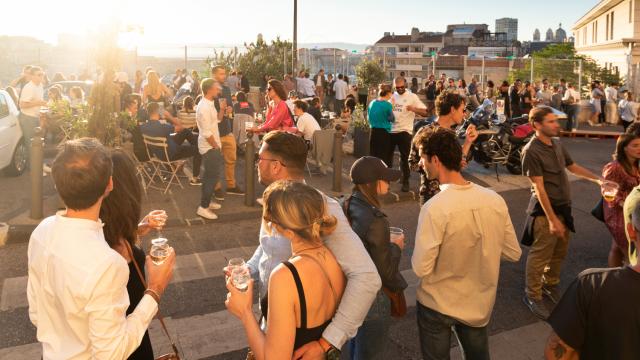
[(395, 233)]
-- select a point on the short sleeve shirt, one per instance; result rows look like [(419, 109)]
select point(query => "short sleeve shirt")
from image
[(549, 161), (598, 314), (405, 118), (32, 92)]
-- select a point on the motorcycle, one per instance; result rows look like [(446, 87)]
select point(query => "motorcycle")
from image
[(500, 140)]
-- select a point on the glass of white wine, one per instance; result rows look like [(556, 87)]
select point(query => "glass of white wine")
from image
[(159, 250)]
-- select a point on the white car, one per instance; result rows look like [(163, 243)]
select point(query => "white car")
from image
[(13, 150)]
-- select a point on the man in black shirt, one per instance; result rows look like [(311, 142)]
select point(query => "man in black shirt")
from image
[(514, 98), (598, 318)]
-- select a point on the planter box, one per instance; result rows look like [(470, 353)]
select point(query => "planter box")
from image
[(361, 142)]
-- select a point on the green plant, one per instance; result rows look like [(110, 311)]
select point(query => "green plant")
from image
[(359, 121), (369, 73)]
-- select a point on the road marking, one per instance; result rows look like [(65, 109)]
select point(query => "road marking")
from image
[(189, 267)]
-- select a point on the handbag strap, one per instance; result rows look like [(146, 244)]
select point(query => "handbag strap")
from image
[(144, 283)]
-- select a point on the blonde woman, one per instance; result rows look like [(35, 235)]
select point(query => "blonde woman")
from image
[(155, 91), (305, 291)]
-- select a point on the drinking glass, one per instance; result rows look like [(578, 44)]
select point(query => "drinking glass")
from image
[(395, 233), (240, 277), (159, 250), (609, 190), (248, 125)]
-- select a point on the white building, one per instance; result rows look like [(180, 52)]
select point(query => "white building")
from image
[(411, 53), (610, 34), (508, 26)]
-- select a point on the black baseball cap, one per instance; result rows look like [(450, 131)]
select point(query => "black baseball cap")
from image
[(369, 169)]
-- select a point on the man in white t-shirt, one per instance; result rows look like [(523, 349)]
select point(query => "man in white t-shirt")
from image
[(31, 99), (405, 107), (306, 123), (341, 88), (209, 144)]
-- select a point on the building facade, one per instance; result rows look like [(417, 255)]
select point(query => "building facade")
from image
[(610, 34), (508, 26), (412, 54)]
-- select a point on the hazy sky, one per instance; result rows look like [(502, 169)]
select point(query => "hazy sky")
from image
[(217, 22)]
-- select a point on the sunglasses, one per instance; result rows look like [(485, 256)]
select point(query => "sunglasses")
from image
[(258, 159)]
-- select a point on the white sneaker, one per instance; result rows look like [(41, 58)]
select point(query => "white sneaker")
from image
[(46, 168), (206, 213), (214, 206)]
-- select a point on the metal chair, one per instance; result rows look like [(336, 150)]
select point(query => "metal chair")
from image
[(163, 168)]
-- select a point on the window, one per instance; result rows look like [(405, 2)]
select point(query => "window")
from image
[(606, 35), (611, 23), (584, 36), (630, 11), (404, 49), (4, 107), (594, 32)]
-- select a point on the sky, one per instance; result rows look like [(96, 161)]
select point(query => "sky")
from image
[(191, 22)]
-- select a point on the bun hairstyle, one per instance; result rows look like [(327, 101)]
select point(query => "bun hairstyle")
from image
[(300, 208)]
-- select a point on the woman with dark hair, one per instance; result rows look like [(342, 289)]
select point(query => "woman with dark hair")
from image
[(278, 115), (462, 88), (624, 171), (439, 87), (414, 85), (120, 214), (504, 94), (371, 178), (57, 77), (380, 119)]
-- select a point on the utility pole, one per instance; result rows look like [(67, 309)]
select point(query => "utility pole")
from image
[(294, 51)]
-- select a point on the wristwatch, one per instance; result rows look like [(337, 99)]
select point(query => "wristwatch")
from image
[(330, 351)]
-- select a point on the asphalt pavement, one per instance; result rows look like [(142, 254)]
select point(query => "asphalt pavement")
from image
[(194, 304)]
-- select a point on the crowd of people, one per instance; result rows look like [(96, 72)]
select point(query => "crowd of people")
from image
[(326, 272)]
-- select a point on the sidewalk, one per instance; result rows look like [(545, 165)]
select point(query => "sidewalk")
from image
[(180, 203)]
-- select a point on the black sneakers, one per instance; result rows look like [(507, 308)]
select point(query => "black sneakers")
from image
[(537, 307)]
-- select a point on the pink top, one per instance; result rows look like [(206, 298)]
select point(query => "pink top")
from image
[(278, 117)]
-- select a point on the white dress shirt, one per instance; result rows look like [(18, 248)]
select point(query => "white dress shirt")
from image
[(77, 293), (207, 120), (462, 234)]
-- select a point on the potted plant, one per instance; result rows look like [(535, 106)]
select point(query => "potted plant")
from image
[(361, 132)]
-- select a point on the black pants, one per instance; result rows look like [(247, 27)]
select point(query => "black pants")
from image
[(571, 111), (185, 151), (380, 144), (403, 141), (626, 124), (338, 105)]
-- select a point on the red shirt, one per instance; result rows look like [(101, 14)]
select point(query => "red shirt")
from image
[(278, 117)]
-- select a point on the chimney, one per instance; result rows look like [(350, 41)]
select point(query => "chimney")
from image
[(415, 34), (393, 35), (387, 33)]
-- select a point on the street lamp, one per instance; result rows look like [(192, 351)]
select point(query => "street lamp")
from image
[(294, 52)]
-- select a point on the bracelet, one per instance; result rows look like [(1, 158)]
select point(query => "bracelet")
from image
[(153, 294)]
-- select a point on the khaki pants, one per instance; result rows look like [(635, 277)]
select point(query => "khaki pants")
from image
[(320, 93), (611, 112), (545, 258), (229, 155)]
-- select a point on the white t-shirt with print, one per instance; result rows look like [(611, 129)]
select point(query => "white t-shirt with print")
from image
[(404, 119), (32, 92), (307, 125)]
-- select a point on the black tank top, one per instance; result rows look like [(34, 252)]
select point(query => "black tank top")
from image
[(304, 335)]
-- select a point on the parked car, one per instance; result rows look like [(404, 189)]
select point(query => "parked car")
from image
[(67, 85), (13, 147)]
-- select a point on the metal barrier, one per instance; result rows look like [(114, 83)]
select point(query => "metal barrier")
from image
[(37, 157), (249, 170), (337, 159)]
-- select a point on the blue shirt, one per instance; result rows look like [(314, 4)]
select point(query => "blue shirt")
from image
[(363, 280), (381, 115), (157, 129)]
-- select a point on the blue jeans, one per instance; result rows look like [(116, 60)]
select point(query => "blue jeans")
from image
[(213, 162), (28, 125), (435, 336), (370, 342)]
